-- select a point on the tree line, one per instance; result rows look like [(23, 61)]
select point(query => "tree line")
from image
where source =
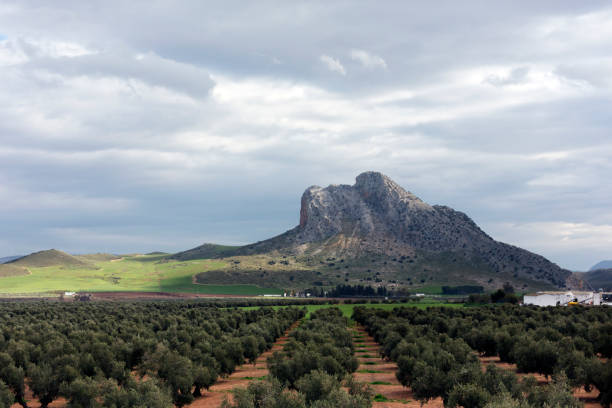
[(435, 352), (357, 291)]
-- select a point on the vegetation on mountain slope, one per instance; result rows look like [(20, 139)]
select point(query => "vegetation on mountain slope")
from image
[(599, 278)]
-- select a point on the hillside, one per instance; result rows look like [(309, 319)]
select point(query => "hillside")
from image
[(51, 257), (97, 257), (602, 265), (207, 251), (599, 279), (7, 270), (375, 231)]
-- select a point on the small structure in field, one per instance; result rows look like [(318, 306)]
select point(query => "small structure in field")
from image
[(565, 298), (606, 299)]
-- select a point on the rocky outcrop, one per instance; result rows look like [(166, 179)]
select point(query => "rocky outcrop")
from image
[(377, 216)]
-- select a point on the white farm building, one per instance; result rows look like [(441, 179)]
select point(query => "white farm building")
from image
[(566, 298)]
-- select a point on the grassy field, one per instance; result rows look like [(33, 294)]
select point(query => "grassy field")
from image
[(147, 273), (347, 310)]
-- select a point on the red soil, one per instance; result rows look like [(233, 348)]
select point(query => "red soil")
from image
[(157, 295), (218, 392), (34, 403), (396, 393)]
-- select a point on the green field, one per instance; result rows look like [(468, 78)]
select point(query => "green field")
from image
[(146, 273)]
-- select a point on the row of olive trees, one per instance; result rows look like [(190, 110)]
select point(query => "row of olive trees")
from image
[(94, 352), (572, 340), (311, 370), (434, 352)]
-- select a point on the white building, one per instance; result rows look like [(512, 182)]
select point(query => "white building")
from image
[(564, 298)]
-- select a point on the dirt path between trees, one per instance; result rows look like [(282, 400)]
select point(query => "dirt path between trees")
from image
[(380, 375), (240, 378)]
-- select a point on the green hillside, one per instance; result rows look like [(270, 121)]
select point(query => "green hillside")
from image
[(51, 257), (12, 270), (274, 272), (147, 273), (98, 257)]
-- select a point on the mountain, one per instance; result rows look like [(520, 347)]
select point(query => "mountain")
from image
[(376, 231), (597, 279), (9, 259), (601, 265), (50, 257)]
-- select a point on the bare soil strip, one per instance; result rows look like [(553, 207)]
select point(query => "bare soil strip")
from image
[(34, 403), (588, 398), (158, 295), (380, 375), (241, 377)]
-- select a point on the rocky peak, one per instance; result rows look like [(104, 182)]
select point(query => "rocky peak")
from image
[(381, 192), (376, 217), (373, 194)]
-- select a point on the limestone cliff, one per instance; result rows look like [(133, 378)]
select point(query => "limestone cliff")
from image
[(376, 216)]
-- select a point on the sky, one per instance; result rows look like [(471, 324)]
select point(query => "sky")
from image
[(160, 125)]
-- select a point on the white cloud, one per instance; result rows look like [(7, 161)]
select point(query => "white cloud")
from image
[(332, 64), (368, 60), (93, 112), (584, 242), (515, 76)]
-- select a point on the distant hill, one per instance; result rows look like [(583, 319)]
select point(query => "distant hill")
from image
[(375, 231), (601, 265), (600, 278), (9, 259), (207, 251), (51, 257)]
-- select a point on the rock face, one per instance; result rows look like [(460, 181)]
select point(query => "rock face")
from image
[(375, 205), (379, 210), (377, 217)]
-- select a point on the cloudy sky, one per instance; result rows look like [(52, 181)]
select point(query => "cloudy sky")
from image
[(159, 125)]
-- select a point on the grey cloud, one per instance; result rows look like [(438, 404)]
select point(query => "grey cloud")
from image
[(147, 67), (473, 110)]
